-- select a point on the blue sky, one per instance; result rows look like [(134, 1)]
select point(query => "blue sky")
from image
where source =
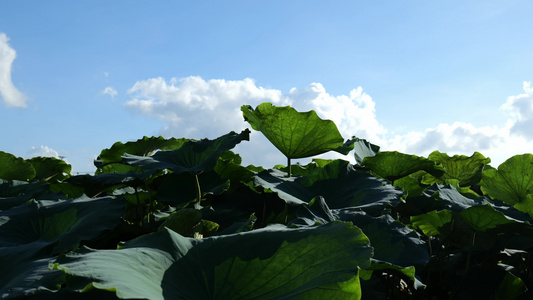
[(412, 76)]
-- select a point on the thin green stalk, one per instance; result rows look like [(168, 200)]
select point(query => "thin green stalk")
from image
[(198, 190)]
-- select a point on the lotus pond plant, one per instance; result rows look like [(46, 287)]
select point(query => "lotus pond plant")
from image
[(180, 218)]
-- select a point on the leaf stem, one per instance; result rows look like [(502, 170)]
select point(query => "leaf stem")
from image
[(198, 190), (288, 167)]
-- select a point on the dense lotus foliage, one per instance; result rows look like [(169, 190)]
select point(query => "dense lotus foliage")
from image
[(183, 219)]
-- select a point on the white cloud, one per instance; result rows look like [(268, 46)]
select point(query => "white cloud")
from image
[(10, 94), (458, 138), (195, 108), (110, 91), (520, 108), (354, 114), (43, 151)]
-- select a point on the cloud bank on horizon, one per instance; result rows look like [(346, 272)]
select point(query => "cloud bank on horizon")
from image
[(10, 94), (196, 108)]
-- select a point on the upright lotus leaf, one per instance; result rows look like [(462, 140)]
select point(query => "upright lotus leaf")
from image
[(271, 263), (363, 148), (393, 165), (141, 147), (50, 168), (512, 182), (192, 157), (484, 217), (15, 168), (461, 167), (295, 134), (62, 224)]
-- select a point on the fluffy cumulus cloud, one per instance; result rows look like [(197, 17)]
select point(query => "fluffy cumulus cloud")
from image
[(9, 93), (110, 91), (43, 151), (457, 138), (520, 107), (197, 108), (354, 114)]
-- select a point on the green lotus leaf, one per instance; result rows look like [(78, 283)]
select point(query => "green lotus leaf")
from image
[(295, 134), (453, 200), (363, 148), (373, 289), (141, 147), (270, 263), (393, 242), (14, 192), (483, 217), (393, 165), (338, 182), (461, 167), (24, 276), (39, 229), (512, 182), (431, 222), (62, 224), (511, 287), (50, 168), (193, 157), (95, 185), (15, 168)]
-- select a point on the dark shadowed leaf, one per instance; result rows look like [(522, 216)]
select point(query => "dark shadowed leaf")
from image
[(393, 242), (192, 157), (62, 224), (338, 182), (141, 147), (275, 262)]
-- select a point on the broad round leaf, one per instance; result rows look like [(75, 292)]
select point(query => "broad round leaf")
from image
[(295, 134), (192, 157), (141, 147), (15, 168), (50, 168), (393, 165), (461, 167), (511, 182), (271, 263)]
